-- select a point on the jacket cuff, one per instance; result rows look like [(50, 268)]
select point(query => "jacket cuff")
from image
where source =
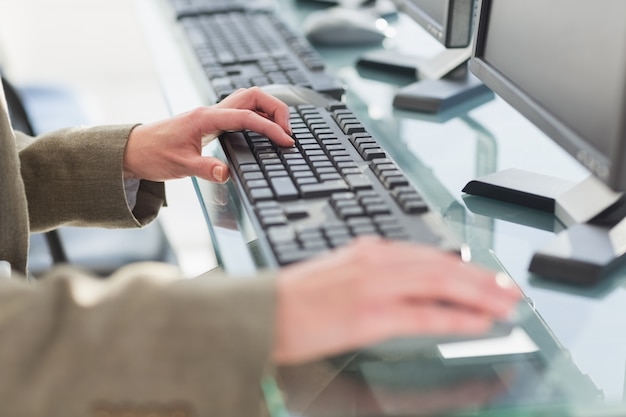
[(75, 177)]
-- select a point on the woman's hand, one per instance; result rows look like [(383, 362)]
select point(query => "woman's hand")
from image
[(172, 148), (375, 289)]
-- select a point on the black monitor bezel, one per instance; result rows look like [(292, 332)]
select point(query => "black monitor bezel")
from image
[(611, 169), (451, 34)]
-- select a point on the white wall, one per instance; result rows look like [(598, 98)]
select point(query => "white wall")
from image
[(97, 49)]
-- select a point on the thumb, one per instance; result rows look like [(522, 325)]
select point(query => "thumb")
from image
[(211, 169)]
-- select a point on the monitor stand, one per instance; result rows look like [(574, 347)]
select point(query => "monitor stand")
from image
[(444, 80), (594, 240)]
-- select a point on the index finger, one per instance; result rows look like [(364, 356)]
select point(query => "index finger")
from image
[(429, 273), (240, 119), (259, 101)]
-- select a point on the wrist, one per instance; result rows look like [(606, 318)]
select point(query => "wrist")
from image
[(131, 156)]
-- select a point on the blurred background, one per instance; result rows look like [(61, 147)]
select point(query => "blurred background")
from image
[(96, 50)]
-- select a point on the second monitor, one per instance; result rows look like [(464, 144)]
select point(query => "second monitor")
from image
[(567, 76), (443, 80)]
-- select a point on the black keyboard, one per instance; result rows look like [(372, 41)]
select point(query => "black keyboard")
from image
[(184, 8), (241, 47), (336, 183)]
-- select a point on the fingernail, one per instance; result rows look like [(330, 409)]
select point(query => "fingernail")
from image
[(288, 123), (218, 173), (504, 281)]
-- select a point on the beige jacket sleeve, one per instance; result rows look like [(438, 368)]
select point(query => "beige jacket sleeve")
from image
[(74, 177), (74, 346), (143, 342)]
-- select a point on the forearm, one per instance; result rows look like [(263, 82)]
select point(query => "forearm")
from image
[(134, 339), (75, 177)]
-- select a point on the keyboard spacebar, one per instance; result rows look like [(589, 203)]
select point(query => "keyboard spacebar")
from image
[(322, 189)]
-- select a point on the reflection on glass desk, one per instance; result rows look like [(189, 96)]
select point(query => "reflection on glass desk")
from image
[(579, 368)]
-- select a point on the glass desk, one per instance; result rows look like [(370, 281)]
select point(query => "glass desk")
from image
[(579, 366)]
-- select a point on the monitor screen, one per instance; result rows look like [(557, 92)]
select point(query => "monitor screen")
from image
[(562, 64), (449, 21)]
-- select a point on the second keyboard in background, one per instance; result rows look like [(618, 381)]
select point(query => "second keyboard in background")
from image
[(336, 183), (245, 48), (184, 8)]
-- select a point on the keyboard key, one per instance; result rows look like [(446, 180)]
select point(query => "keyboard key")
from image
[(358, 182), (380, 168), (256, 183), (253, 175), (240, 151), (296, 255), (284, 189), (330, 177), (296, 213), (415, 206), (268, 221), (249, 168), (281, 235), (395, 181), (352, 211), (323, 189), (373, 153), (374, 209), (257, 194)]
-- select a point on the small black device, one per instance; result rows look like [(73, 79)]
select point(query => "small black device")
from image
[(444, 80), (450, 22)]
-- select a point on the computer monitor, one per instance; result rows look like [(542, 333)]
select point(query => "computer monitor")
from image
[(443, 80), (450, 22), (562, 64), (343, 2)]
